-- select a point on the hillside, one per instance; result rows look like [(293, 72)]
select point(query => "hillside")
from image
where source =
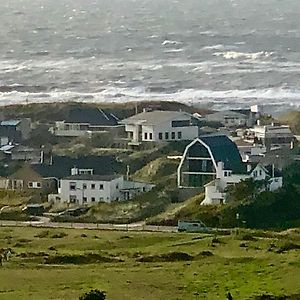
[(293, 119)]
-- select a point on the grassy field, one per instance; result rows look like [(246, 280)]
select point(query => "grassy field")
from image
[(63, 264)]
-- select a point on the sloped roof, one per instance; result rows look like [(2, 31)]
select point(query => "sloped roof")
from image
[(62, 165), (225, 150), (92, 116), (227, 113), (154, 117)]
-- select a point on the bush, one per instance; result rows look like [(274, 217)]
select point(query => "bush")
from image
[(93, 295)]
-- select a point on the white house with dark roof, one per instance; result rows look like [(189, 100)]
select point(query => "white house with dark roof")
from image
[(84, 188), (86, 121), (160, 126)]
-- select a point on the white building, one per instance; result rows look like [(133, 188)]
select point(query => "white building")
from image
[(89, 189), (159, 126), (215, 191)]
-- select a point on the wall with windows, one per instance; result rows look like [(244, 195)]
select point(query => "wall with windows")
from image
[(90, 191)]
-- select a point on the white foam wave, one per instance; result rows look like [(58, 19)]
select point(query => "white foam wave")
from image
[(233, 98), (244, 55), (170, 42)]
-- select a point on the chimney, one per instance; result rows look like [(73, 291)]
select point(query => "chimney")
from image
[(74, 171)]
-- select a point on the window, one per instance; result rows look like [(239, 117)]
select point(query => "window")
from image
[(101, 199), (84, 199), (117, 186), (85, 171), (73, 199), (255, 174), (84, 186), (173, 135), (145, 135), (93, 199), (179, 135), (225, 173), (30, 185), (150, 136), (166, 135), (160, 135), (101, 186), (181, 123), (34, 185), (38, 185), (93, 186), (72, 186), (260, 172)]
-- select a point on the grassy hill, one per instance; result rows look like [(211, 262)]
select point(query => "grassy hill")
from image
[(65, 263), (293, 119)]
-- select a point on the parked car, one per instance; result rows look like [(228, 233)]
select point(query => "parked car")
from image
[(193, 226)]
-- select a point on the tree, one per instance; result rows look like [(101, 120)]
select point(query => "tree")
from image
[(93, 295)]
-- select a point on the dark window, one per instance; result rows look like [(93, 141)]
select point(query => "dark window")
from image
[(117, 186), (166, 135), (92, 186), (38, 184), (73, 199), (173, 135), (150, 136), (145, 135), (84, 186), (93, 199), (160, 136), (101, 187), (179, 135), (72, 186), (30, 184), (181, 123), (84, 199)]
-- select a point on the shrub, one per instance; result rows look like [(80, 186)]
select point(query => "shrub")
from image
[(93, 295)]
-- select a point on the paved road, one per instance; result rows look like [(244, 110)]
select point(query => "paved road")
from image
[(122, 227)]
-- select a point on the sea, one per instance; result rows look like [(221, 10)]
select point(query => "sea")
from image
[(221, 54)]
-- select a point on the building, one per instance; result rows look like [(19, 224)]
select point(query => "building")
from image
[(229, 118), (87, 121), (214, 163), (160, 126), (89, 189), (271, 136), (15, 131), (216, 190), (200, 161)]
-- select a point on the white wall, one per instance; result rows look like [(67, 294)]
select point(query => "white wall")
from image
[(109, 193)]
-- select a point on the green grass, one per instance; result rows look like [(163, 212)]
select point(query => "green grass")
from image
[(244, 271)]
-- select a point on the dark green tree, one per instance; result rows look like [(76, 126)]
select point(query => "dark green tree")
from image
[(93, 295)]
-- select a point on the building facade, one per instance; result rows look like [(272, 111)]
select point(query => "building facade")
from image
[(160, 126)]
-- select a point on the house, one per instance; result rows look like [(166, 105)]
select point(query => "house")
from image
[(87, 121), (15, 131), (271, 136), (44, 177), (214, 162), (89, 188), (27, 179), (200, 161), (229, 118), (160, 126)]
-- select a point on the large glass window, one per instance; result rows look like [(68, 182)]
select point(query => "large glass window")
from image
[(181, 123)]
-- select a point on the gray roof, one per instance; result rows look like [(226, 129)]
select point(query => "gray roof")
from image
[(226, 113), (154, 117), (225, 150), (88, 177), (92, 116)]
